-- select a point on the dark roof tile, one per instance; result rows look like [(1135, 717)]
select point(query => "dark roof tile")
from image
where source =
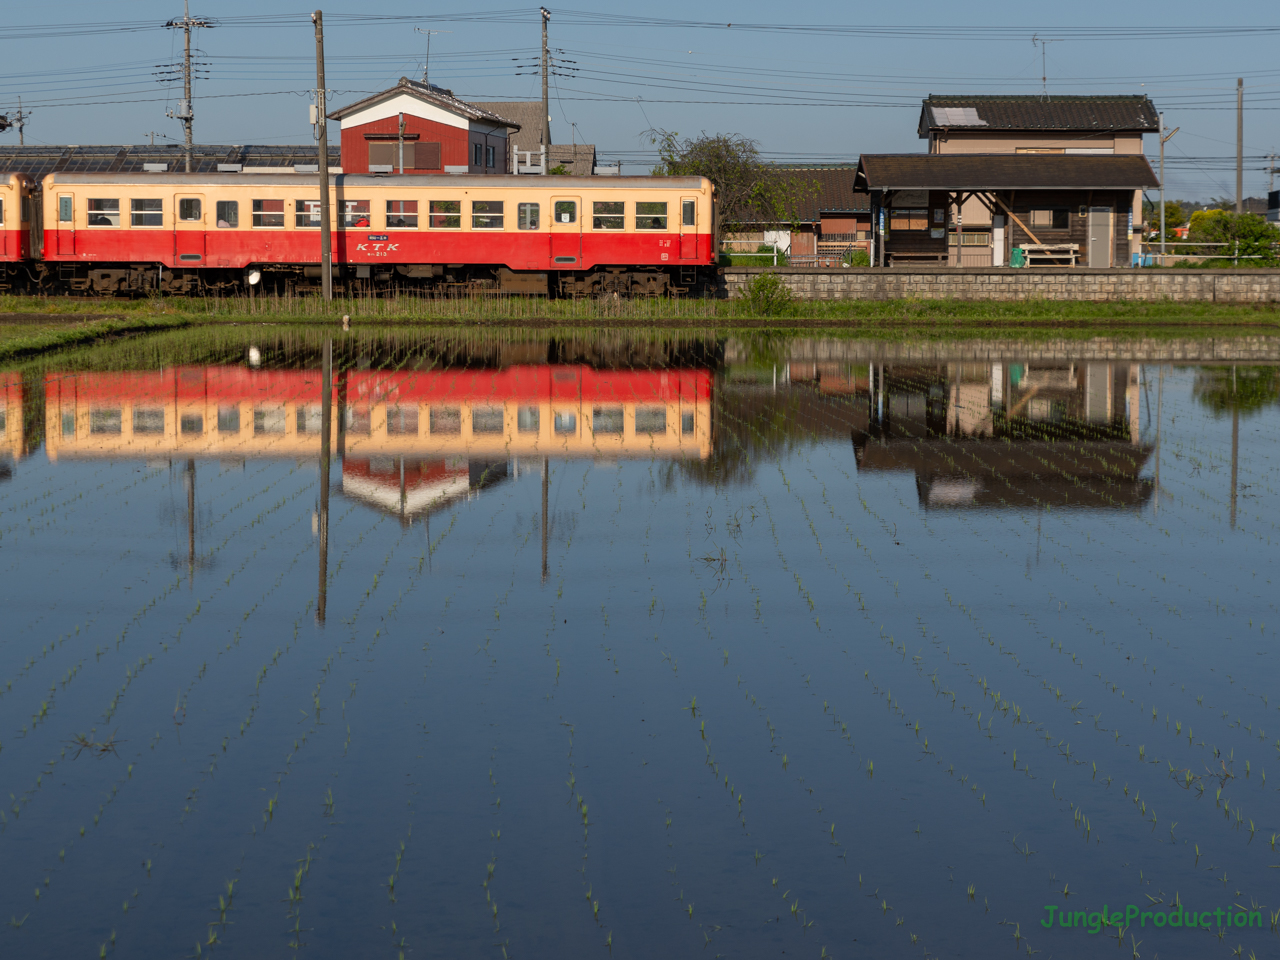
[(1004, 171), (1073, 113)]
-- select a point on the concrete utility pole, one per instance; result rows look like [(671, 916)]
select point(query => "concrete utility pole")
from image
[(546, 102), (1164, 138), (1240, 145), (20, 121), (184, 112), (326, 239)]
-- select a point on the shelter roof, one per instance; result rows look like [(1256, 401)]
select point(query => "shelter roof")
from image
[(1004, 171), (427, 93), (1072, 113)]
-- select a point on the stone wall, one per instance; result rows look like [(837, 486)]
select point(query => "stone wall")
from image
[(1003, 283)]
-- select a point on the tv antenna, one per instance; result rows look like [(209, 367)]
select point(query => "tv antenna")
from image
[(1036, 40), (426, 64)]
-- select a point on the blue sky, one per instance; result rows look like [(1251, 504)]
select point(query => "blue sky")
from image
[(804, 94)]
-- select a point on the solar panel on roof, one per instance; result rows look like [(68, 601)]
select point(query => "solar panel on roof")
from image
[(958, 117)]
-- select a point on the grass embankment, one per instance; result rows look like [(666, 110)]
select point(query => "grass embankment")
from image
[(38, 323)]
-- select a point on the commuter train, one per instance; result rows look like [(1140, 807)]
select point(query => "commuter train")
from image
[(135, 233)]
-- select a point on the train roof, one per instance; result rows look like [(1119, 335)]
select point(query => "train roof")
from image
[(559, 184)]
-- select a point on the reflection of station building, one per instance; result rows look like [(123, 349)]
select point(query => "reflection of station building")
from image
[(1003, 434), (409, 441)]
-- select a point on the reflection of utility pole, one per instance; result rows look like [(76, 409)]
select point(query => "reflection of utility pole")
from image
[(546, 479), (190, 479), (1239, 145), (326, 407), (1235, 444), (1159, 413)]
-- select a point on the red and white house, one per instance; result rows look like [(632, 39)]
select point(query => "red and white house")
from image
[(421, 128)]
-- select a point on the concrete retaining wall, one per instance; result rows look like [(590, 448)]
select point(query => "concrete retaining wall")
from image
[(1002, 283)]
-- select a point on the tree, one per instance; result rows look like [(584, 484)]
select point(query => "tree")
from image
[(747, 188), (1257, 239)]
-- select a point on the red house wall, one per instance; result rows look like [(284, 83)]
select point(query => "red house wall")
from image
[(455, 144)]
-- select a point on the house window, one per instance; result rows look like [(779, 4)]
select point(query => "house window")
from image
[(527, 216), (270, 213), (306, 213), (446, 214), (477, 154), (426, 157), (146, 213), (651, 215), (908, 219), (355, 213), (402, 213), (486, 214), (489, 156), (1056, 218), (971, 239), (103, 213), (607, 214), (228, 214), (382, 155), (189, 209)]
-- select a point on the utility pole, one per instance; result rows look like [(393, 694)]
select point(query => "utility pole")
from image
[(20, 121), (546, 102), (1164, 138), (326, 239), (184, 111), (1240, 145)]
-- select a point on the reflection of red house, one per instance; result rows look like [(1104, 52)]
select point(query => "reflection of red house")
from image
[(405, 486)]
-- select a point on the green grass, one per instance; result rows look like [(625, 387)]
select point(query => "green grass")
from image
[(28, 339)]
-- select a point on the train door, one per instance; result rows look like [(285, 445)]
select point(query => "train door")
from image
[(4, 233), (188, 229), (566, 232), (688, 228), (66, 243)]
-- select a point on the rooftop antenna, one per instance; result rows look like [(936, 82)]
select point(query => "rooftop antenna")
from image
[(1044, 73), (426, 64)]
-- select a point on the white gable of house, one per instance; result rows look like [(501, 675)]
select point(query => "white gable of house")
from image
[(413, 106)]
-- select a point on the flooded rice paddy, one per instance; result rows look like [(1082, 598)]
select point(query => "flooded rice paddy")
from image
[(617, 645)]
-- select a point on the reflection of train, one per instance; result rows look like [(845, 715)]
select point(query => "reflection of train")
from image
[(119, 233), (543, 410), (11, 432)]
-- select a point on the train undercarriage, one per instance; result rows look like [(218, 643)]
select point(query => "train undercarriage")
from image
[(443, 280)]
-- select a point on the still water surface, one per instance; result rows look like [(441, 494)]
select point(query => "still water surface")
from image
[(619, 645)]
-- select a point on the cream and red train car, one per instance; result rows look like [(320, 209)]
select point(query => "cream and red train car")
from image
[(130, 233), (15, 230), (535, 410)]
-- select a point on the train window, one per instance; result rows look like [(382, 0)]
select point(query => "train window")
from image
[(651, 419), (64, 210), (148, 419), (306, 213), (189, 209), (606, 420), (308, 417), (566, 211), (446, 214), (228, 212), (358, 421), (402, 213), (1, 211), (686, 422), (269, 417), (104, 420), (688, 213), (103, 213), (607, 214), (446, 420), (651, 215), (486, 214), (355, 213), (268, 213), (69, 423), (191, 424), (527, 419), (403, 420), (486, 419), (26, 209), (529, 216), (229, 418), (146, 213), (565, 422)]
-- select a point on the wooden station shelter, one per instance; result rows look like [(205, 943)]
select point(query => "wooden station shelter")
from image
[(1060, 209)]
